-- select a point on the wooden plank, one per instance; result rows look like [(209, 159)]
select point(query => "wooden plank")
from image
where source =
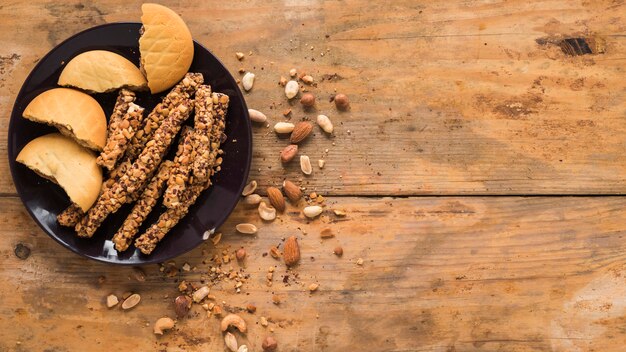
[(439, 274), (449, 97)]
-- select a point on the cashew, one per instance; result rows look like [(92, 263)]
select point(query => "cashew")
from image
[(233, 320), (163, 324)]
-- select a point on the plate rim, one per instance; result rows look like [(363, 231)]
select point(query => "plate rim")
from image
[(148, 259)]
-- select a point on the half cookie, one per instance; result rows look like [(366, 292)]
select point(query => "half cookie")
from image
[(59, 159), (74, 113), (166, 47), (101, 71)]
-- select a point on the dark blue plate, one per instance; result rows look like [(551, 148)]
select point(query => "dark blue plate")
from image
[(45, 200)]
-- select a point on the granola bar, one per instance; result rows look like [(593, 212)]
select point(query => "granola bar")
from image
[(207, 123), (182, 92), (124, 98), (137, 175), (70, 216), (124, 236), (123, 130), (180, 172)]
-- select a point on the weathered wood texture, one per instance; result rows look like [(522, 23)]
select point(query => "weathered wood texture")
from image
[(439, 274), (453, 97)]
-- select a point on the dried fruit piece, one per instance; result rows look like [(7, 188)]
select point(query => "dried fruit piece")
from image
[(247, 229), (292, 191), (200, 294), (131, 301), (252, 199), (257, 116), (249, 188), (182, 304), (325, 124), (341, 101), (269, 344), (248, 80), (276, 198), (291, 251), (307, 100), (230, 341), (233, 320), (284, 127), (305, 165), (291, 89), (266, 212), (312, 211), (163, 324), (300, 132), (288, 153), (112, 301)]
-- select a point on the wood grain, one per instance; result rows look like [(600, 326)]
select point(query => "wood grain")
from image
[(439, 274), (447, 97)]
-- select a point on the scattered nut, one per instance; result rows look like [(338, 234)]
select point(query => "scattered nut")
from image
[(325, 124), (291, 251), (341, 101), (276, 198), (247, 229), (293, 72), (257, 116), (131, 301), (112, 301), (313, 287), (282, 81), (276, 299), (300, 132), (308, 79), (274, 252), (21, 251), (359, 261), (307, 100), (163, 324), (239, 55), (288, 153), (305, 165), (243, 348), (200, 294), (291, 89), (240, 254), (327, 233), (230, 341), (251, 308), (182, 304), (266, 212), (233, 320), (338, 251), (321, 163), (292, 191), (248, 80), (339, 213), (252, 199), (269, 344), (217, 238), (249, 188), (217, 311), (263, 321), (284, 127), (312, 211)]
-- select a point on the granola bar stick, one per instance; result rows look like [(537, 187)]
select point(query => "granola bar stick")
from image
[(124, 236), (124, 98), (155, 233), (72, 214), (180, 171), (210, 126), (123, 130), (133, 180), (181, 92)]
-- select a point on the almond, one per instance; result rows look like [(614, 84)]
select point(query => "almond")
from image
[(287, 154), (300, 132), (276, 198), (291, 251), (292, 191)]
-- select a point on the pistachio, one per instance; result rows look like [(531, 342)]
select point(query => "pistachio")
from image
[(284, 127), (305, 165), (248, 80), (256, 115), (267, 212), (247, 229), (312, 211), (325, 124), (291, 89)]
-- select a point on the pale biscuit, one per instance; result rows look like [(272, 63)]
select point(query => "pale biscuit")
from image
[(101, 71), (74, 113), (61, 160), (166, 47)]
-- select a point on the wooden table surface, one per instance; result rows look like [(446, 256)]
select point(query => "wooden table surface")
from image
[(482, 167)]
